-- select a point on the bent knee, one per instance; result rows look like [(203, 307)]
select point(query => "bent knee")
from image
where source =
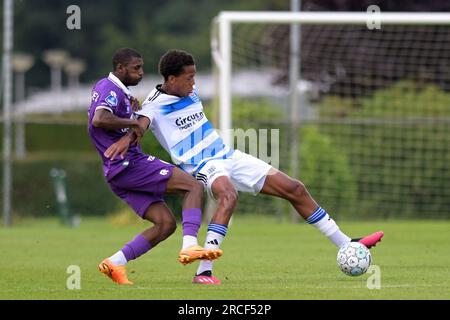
[(198, 187), (167, 226), (171, 226), (295, 190), (228, 199)]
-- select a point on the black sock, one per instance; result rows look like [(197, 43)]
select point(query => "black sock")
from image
[(206, 273)]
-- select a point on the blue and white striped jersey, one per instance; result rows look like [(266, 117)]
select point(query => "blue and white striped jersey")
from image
[(182, 128)]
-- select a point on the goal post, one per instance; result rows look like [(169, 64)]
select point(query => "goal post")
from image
[(374, 97)]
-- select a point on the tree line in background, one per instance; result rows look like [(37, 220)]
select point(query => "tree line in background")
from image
[(152, 27)]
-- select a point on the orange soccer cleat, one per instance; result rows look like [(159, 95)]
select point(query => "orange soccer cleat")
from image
[(193, 253), (117, 274)]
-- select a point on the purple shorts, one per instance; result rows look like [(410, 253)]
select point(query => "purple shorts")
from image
[(142, 183)]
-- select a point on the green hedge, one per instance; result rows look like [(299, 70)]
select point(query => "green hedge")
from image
[(87, 191), (67, 147), (324, 168), (33, 190), (397, 142)]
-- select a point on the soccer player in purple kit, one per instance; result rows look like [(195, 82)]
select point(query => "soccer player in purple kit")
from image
[(141, 180)]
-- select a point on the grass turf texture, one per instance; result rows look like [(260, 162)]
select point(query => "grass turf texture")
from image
[(262, 260)]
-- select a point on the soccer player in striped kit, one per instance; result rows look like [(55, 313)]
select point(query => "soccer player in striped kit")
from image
[(174, 113)]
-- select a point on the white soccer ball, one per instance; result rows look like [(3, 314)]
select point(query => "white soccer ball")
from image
[(354, 258)]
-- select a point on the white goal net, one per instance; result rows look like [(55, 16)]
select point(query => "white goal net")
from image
[(372, 138)]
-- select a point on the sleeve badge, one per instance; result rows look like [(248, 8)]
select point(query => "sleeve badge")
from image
[(111, 100)]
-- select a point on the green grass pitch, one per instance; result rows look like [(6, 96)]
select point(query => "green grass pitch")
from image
[(262, 260)]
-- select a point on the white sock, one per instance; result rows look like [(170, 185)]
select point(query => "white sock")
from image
[(118, 258), (339, 238), (213, 241), (189, 241), (322, 221)]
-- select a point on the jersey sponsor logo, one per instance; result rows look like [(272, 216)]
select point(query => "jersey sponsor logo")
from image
[(111, 100), (189, 121), (164, 172)]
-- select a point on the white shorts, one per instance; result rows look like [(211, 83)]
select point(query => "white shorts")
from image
[(246, 172)]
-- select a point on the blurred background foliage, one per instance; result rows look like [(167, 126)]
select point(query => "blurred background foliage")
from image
[(151, 27), (333, 165)]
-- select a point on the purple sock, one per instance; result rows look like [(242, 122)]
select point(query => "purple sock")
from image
[(192, 219), (138, 246)]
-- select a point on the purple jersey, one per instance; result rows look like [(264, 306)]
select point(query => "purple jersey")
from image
[(145, 180), (110, 94)]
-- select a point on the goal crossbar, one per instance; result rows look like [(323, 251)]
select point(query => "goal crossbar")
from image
[(403, 18), (222, 47)]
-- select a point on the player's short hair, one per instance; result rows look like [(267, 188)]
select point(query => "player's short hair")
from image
[(173, 61), (124, 56)]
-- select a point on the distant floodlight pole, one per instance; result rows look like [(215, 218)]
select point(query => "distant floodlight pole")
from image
[(73, 68), (7, 99), (56, 58), (21, 63)]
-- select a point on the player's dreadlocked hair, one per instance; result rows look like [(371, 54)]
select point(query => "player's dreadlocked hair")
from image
[(173, 61), (123, 56)]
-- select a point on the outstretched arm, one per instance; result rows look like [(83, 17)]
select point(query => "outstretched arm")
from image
[(121, 147), (107, 120)]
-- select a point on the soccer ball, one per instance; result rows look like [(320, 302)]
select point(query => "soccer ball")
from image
[(354, 258)]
